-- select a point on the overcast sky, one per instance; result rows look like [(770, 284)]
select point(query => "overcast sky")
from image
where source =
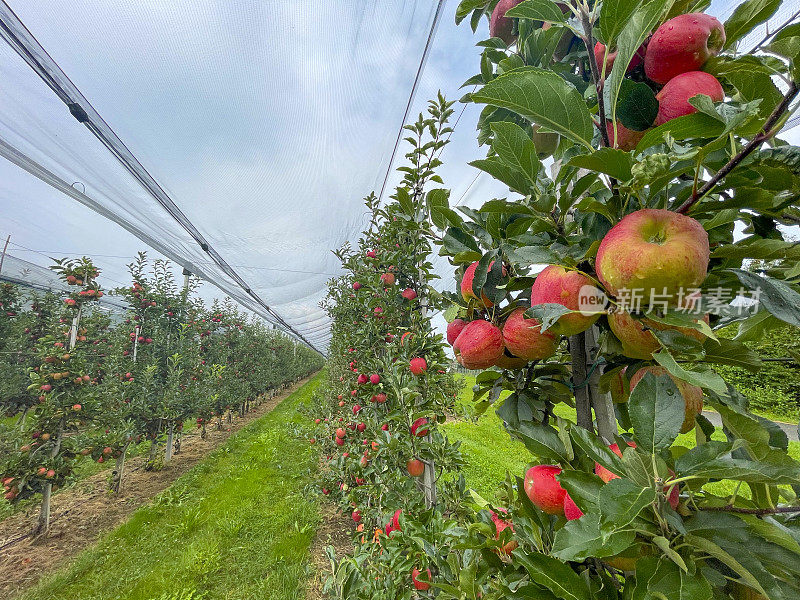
[(266, 121)]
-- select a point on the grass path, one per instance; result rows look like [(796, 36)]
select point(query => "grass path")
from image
[(237, 526)]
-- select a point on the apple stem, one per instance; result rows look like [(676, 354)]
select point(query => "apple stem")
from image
[(767, 132)]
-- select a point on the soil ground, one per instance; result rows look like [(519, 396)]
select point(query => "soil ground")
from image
[(82, 513), (335, 530)]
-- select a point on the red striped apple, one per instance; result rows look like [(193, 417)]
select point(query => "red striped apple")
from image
[(659, 253), (557, 285), (673, 99), (479, 345), (523, 337), (683, 44)]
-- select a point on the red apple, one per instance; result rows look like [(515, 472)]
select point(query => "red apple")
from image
[(409, 294), (673, 99), (638, 341), (683, 44), (418, 365), (692, 394), (340, 433), (415, 573), (524, 338), (657, 252), (466, 286), (339, 441), (501, 26), (571, 510), (417, 425), (479, 345), (356, 515), (509, 361), (374, 379), (362, 379), (361, 427), (388, 279), (627, 139), (356, 286), (415, 467), (544, 490), (454, 328), (571, 289), (600, 54)]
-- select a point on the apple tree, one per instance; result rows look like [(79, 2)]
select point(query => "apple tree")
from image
[(667, 174)]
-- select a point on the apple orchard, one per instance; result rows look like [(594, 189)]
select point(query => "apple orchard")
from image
[(633, 138)]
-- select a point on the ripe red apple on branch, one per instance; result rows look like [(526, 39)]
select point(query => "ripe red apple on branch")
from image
[(683, 44), (673, 99), (523, 337), (658, 253), (544, 491), (573, 290), (479, 345)]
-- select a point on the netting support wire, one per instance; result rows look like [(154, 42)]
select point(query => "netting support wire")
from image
[(431, 34), (17, 158), (14, 32)]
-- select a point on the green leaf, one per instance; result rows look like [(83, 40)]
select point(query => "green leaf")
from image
[(611, 161), (656, 409), (725, 558), (729, 352), (787, 42), (774, 295), (746, 17), (694, 126), (614, 15), (660, 578), (542, 441), (516, 148), (502, 171), (537, 10), (456, 241), (466, 7), (620, 501), (714, 460), (637, 106), (527, 256), (544, 98), (553, 574), (633, 34), (547, 314), (581, 539), (703, 377)]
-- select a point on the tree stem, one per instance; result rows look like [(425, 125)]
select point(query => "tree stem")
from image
[(583, 402)]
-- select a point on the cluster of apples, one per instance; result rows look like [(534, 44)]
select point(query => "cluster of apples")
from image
[(655, 254), (673, 57)]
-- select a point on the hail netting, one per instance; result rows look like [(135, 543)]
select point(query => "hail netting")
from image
[(262, 123)]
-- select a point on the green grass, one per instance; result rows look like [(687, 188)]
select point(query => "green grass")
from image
[(490, 452), (237, 526)]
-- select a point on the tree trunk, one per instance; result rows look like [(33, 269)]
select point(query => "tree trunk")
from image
[(43, 524), (119, 468), (170, 437), (150, 465), (203, 431), (583, 401), (603, 406)]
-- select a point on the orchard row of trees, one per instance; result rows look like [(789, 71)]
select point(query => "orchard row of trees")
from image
[(78, 383), (663, 135)]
